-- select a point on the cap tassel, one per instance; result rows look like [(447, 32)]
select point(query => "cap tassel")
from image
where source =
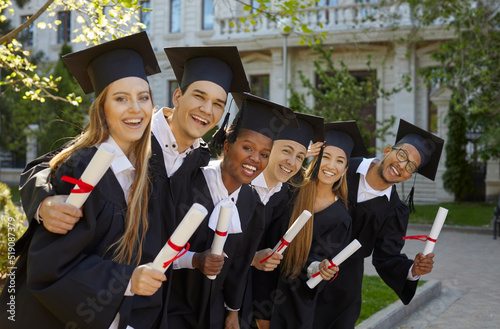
[(315, 170), (220, 135), (409, 198)]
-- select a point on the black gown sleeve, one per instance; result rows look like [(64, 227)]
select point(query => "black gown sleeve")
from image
[(67, 273), (390, 263)]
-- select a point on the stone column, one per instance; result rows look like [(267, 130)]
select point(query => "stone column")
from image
[(441, 99), (31, 141), (404, 64)]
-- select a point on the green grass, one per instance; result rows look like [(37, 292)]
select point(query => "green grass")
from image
[(376, 296), (14, 192), (464, 214)]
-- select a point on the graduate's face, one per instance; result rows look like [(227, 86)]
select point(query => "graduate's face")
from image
[(248, 156), (198, 109), (391, 170), (128, 108), (285, 160), (333, 165)]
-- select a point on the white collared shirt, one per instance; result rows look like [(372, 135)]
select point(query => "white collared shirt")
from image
[(122, 168), (264, 192), (365, 191), (171, 156), (219, 193)]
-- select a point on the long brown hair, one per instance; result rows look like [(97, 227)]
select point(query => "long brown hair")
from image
[(295, 257), (129, 246)]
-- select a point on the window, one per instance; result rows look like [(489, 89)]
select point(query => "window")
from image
[(172, 86), (146, 15), (64, 29), (175, 16), (260, 85), (207, 22), (27, 34)]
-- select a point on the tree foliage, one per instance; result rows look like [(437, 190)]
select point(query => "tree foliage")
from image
[(469, 63), (457, 178), (340, 96), (99, 20)]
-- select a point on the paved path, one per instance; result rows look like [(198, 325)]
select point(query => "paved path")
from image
[(468, 265)]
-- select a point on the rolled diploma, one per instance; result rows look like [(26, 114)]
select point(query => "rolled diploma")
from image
[(337, 260), (93, 173), (292, 231), (226, 210), (181, 235), (435, 230)]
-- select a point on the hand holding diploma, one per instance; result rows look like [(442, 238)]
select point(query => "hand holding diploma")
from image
[(424, 261), (290, 234), (96, 168), (221, 231), (174, 246), (336, 261)]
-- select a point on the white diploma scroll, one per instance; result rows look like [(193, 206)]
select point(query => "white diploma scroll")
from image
[(435, 230), (180, 237), (290, 234), (220, 236), (96, 168), (337, 260)]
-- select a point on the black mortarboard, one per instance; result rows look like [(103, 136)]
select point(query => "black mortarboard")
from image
[(221, 65), (310, 129), (261, 115), (427, 144), (346, 136), (96, 67)]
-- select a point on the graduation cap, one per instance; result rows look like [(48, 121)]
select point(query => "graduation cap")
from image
[(427, 144), (220, 65), (96, 67), (346, 136), (257, 114), (310, 129)]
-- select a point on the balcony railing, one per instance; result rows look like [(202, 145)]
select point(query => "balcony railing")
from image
[(330, 18)]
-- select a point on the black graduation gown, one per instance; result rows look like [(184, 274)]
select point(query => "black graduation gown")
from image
[(69, 281), (257, 301), (294, 301), (196, 301), (35, 186), (379, 225)]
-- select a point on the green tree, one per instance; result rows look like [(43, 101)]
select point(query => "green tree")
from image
[(98, 20), (457, 178), (338, 95), (469, 63)]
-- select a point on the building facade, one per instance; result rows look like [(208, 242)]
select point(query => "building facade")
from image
[(262, 45)]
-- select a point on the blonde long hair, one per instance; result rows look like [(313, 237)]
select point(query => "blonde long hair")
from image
[(295, 257), (97, 132)]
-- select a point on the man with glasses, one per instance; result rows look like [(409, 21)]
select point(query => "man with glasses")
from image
[(379, 222)]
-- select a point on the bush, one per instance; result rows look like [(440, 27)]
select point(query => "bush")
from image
[(11, 229)]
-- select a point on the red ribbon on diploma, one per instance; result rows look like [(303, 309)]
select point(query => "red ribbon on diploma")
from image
[(83, 187), (329, 266), (219, 233), (422, 238), (179, 254), (281, 246)]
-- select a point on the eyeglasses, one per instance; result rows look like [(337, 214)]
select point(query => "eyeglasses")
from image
[(402, 156)]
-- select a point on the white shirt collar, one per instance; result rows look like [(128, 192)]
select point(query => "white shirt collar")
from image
[(122, 168), (171, 156), (264, 192), (365, 191), (219, 193)]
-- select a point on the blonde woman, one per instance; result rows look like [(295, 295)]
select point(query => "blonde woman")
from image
[(323, 193), (82, 279)]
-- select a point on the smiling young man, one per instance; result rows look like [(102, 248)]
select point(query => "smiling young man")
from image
[(379, 223)]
